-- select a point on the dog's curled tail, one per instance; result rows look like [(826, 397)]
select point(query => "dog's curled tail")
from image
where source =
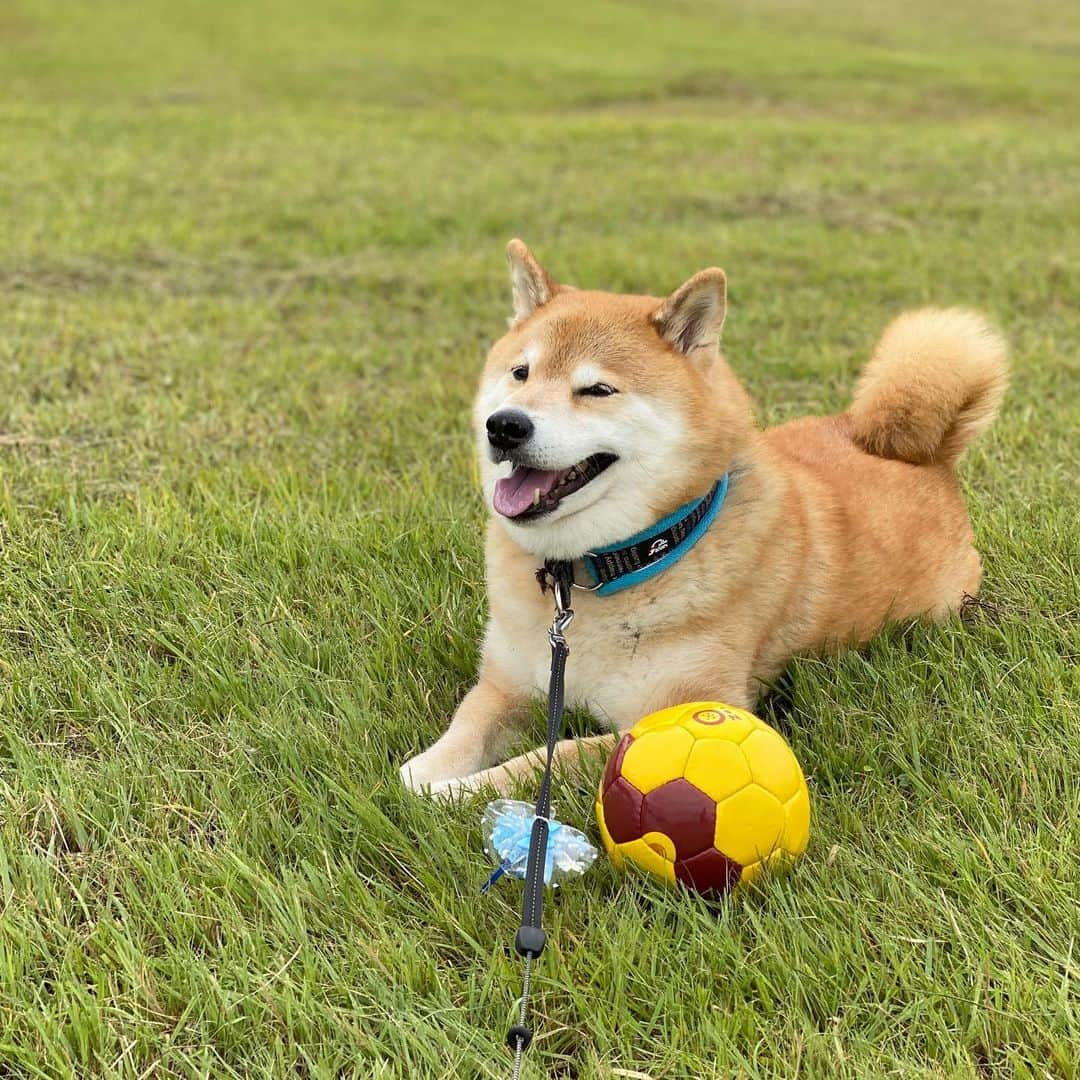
[(935, 381)]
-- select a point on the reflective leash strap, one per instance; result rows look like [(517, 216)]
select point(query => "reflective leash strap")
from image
[(530, 939)]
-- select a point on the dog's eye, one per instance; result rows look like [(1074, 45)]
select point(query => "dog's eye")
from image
[(521, 372), (600, 389)]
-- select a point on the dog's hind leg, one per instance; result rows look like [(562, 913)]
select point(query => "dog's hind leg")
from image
[(571, 759)]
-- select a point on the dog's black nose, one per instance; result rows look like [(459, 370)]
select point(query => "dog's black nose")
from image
[(508, 428)]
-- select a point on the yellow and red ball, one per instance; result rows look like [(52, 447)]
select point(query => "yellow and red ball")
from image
[(703, 794)]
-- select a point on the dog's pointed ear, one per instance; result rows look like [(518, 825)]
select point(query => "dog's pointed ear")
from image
[(691, 317), (531, 284)]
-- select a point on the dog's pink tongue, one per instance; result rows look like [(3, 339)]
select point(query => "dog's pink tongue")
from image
[(514, 494)]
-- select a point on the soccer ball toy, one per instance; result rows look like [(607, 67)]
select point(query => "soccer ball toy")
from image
[(703, 794)]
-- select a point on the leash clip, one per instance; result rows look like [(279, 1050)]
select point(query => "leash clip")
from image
[(559, 577), (556, 632), (564, 613)]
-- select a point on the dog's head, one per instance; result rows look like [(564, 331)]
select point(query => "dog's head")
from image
[(599, 413)]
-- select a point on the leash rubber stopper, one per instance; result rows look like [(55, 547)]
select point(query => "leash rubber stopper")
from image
[(530, 941), (519, 1035)]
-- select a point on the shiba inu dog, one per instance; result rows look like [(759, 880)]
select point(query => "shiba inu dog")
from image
[(602, 417)]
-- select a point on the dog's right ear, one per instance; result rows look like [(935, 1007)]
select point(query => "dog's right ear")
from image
[(531, 284)]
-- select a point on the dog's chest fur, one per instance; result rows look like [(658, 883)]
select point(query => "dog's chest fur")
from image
[(628, 652)]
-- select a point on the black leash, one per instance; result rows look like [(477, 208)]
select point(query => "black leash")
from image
[(530, 939)]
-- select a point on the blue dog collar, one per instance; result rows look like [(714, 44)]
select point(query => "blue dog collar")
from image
[(630, 562)]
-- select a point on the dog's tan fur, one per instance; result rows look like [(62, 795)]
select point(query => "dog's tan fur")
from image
[(832, 526)]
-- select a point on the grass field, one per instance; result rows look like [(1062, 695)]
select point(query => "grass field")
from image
[(251, 258)]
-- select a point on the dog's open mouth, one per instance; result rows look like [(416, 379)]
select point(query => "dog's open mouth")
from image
[(529, 493)]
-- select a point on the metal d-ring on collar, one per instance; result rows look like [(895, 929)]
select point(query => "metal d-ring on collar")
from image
[(587, 588), (559, 575)]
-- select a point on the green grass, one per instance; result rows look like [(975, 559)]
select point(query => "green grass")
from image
[(251, 259)]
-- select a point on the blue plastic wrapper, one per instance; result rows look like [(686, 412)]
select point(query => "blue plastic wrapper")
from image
[(507, 828)]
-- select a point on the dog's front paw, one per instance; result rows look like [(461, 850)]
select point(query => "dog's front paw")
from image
[(418, 775), (459, 787), (426, 775)]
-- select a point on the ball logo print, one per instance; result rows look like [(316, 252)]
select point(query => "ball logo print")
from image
[(705, 795), (710, 716)]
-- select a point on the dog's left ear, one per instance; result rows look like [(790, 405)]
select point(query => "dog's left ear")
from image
[(691, 317), (531, 283)]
